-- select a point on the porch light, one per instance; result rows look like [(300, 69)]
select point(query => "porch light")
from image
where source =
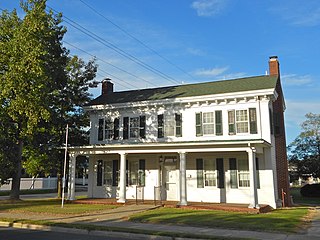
[(161, 159)]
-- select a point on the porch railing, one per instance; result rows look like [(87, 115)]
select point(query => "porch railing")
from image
[(139, 194), (157, 195)]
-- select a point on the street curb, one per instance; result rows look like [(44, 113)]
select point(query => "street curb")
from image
[(80, 231)]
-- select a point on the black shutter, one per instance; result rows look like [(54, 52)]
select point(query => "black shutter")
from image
[(199, 167), (116, 129), (218, 118), (220, 169), (198, 124), (99, 173), (253, 120), (100, 129), (141, 173), (178, 119), (160, 126), (125, 127), (115, 172), (231, 122), (143, 126)]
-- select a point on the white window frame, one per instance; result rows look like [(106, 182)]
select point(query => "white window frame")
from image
[(243, 173), (242, 121), (209, 175), (208, 123)]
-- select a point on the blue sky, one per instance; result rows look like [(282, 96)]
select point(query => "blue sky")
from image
[(151, 43)]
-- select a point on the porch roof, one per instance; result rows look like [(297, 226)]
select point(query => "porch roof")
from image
[(170, 147)]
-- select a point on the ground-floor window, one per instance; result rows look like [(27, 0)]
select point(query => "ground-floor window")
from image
[(206, 173), (136, 172), (239, 173), (111, 172)]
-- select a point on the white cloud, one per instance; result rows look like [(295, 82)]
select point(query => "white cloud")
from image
[(296, 80), (299, 14), (196, 52), (211, 72), (208, 8)]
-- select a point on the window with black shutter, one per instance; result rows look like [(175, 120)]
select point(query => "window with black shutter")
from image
[(160, 126), (218, 119), (253, 120)]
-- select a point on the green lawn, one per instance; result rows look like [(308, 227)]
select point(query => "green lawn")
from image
[(283, 220), (51, 206)]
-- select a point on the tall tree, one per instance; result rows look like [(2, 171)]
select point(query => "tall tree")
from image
[(35, 74), (304, 151)]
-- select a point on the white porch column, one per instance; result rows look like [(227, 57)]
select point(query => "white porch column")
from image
[(122, 193), (253, 178), (183, 179), (72, 177)]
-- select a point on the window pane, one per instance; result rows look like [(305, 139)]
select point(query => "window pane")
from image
[(209, 173), (231, 122), (108, 173), (134, 127), (108, 128), (253, 120), (133, 172), (169, 125), (208, 117), (241, 121), (233, 173), (208, 128), (208, 123), (199, 165), (243, 170)]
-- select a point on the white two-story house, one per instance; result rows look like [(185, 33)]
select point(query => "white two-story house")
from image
[(215, 142)]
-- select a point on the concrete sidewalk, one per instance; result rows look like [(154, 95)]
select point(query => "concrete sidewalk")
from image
[(116, 218)]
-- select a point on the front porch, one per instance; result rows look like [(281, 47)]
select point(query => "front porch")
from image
[(230, 207), (184, 173)]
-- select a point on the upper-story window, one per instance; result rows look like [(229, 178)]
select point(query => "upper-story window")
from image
[(209, 123), (134, 127), (170, 125), (108, 129), (242, 121)]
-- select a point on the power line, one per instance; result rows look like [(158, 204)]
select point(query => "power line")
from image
[(136, 39), (116, 49), (110, 65)]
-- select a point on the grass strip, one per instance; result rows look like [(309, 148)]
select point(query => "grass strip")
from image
[(51, 206), (282, 220), (90, 227)]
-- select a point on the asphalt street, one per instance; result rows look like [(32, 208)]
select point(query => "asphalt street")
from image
[(26, 234)]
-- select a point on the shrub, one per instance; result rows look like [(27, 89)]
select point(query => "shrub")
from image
[(310, 190)]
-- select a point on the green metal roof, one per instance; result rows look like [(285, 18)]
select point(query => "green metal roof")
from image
[(188, 90)]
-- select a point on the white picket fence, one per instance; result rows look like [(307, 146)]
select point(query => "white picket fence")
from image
[(34, 183)]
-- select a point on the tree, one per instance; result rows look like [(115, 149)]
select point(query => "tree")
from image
[(304, 151), (35, 74)]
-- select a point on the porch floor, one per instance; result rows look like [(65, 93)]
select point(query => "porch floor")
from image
[(231, 207)]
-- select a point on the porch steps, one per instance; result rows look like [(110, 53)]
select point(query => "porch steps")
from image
[(191, 205)]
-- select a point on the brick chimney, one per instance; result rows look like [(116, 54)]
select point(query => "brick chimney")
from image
[(274, 66), (107, 86)]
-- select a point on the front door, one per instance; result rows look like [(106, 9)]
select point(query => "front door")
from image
[(170, 182)]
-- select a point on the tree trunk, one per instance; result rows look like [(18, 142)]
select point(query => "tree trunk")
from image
[(16, 178)]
